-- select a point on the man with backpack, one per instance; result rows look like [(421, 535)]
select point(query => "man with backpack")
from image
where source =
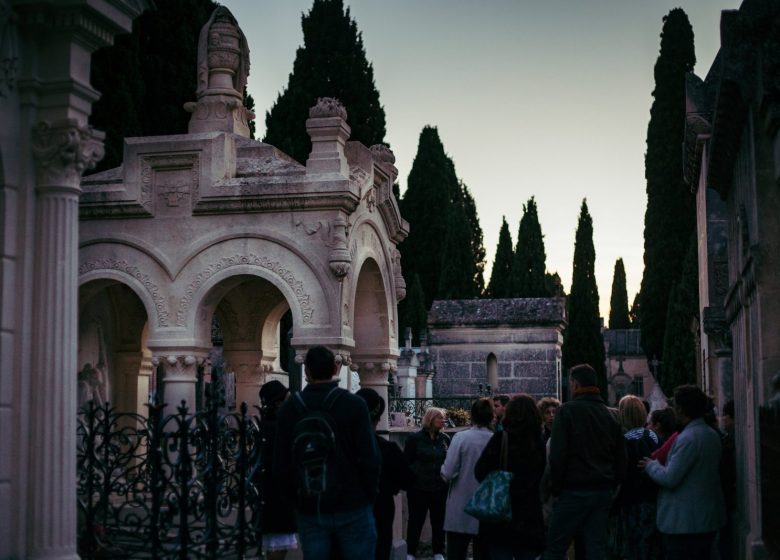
[(328, 463)]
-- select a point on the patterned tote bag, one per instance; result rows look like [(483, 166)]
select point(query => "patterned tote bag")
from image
[(491, 501)]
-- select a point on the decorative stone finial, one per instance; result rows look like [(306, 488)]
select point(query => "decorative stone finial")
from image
[(328, 107), (223, 68), (382, 153)]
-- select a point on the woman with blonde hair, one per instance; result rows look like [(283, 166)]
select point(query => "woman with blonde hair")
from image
[(635, 535), (425, 452)]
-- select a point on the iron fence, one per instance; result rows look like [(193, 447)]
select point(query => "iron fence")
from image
[(168, 486)]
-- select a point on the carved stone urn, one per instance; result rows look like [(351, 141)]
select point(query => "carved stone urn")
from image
[(224, 53)]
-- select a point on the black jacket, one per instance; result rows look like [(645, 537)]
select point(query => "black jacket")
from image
[(355, 439), (277, 512), (526, 461), (425, 457), (587, 448)]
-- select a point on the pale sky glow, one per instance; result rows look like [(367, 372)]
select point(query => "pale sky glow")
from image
[(548, 99)]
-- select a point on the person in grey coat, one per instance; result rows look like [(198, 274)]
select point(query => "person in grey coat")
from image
[(458, 470), (690, 501)]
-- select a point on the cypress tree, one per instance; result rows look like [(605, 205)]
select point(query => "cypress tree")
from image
[(331, 63), (554, 284), (500, 285), (618, 302), (477, 241), (158, 75), (670, 215), (431, 194), (456, 279), (412, 313), (530, 260), (583, 342), (679, 364), (635, 315)]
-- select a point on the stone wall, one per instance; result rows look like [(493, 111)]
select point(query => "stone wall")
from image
[(522, 337)]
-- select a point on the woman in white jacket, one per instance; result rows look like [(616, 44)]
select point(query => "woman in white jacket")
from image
[(690, 501), (458, 470)]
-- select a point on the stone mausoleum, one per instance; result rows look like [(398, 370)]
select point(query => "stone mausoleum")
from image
[(512, 345), (122, 276)]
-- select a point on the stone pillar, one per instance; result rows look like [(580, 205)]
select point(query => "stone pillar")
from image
[(62, 151), (180, 374), (373, 375), (329, 132), (249, 376)]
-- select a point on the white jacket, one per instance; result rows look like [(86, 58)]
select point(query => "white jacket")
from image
[(458, 470)]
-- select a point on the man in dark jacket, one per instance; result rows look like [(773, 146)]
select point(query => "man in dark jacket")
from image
[(341, 520), (587, 462)]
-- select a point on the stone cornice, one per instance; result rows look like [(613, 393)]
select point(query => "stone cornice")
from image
[(345, 202), (63, 151)]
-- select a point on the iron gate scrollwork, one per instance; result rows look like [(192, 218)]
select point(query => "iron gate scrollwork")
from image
[(168, 486)]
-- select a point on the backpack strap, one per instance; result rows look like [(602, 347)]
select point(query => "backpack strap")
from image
[(299, 403), (332, 397)]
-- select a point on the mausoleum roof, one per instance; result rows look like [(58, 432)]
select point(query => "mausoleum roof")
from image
[(494, 312)]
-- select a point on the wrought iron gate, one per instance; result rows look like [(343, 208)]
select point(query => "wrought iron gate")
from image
[(168, 486)]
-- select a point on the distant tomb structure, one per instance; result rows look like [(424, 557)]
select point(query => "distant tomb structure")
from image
[(510, 345)]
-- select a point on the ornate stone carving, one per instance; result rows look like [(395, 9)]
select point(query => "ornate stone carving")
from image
[(327, 107), (398, 277), (135, 272), (340, 259), (252, 260), (178, 366), (169, 178), (370, 199), (382, 153), (223, 55), (359, 178), (223, 67), (63, 151)]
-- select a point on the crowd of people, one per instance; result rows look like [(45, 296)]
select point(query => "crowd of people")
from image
[(588, 480)]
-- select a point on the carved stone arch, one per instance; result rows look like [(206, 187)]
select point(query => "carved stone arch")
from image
[(138, 277)]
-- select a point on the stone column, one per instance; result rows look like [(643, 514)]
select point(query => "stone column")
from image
[(180, 374), (373, 375), (62, 152), (249, 376)]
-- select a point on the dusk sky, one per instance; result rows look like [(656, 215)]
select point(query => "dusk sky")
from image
[(548, 99)]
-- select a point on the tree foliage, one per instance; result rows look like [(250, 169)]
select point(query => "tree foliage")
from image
[(146, 77), (500, 285), (530, 260), (670, 215), (413, 313), (635, 315), (331, 63), (583, 341), (434, 204), (679, 364), (478, 253), (618, 302)]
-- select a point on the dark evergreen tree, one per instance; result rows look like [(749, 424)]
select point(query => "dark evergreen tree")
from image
[(670, 215), (530, 264), (679, 363), (477, 240), (635, 315), (413, 314), (146, 77), (456, 279), (554, 284), (331, 63), (500, 285), (583, 342), (249, 103), (618, 302), (432, 191)]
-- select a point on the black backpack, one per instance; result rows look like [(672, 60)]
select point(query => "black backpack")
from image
[(314, 449)]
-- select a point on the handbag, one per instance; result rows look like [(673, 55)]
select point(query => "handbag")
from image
[(491, 501)]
